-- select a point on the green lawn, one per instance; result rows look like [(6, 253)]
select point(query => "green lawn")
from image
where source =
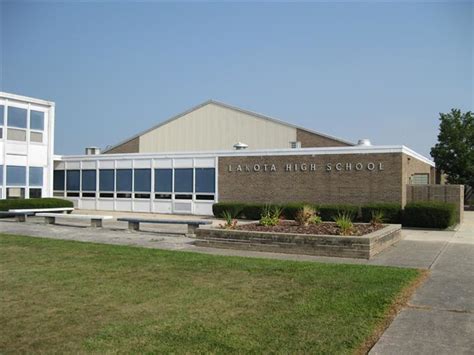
[(63, 296)]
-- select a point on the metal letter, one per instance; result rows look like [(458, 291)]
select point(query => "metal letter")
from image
[(339, 166), (371, 166)]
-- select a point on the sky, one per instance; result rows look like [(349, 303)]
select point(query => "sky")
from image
[(373, 69)]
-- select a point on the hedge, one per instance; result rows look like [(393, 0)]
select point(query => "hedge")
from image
[(392, 212), (328, 212), (6, 205), (429, 215)]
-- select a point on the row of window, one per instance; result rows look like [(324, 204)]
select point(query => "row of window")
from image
[(17, 124), (16, 175), (121, 183)]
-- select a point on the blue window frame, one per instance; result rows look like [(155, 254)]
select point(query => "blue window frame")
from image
[(124, 180), (142, 180), (183, 180), (107, 180), (72, 180), (36, 176), (163, 180), (88, 180), (37, 120), (205, 180), (17, 117), (58, 180), (16, 175)]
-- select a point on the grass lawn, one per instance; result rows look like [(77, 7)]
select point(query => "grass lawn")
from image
[(63, 296)]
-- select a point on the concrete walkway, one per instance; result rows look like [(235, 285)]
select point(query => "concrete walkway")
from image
[(438, 320), (440, 317)]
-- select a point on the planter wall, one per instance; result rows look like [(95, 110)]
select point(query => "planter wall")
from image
[(363, 247)]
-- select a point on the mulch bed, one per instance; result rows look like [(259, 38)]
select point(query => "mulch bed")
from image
[(324, 228)]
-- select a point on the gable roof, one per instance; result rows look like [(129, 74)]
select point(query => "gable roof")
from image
[(238, 109)]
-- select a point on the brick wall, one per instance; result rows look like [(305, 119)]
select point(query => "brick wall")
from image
[(441, 193), (319, 186), (309, 140)]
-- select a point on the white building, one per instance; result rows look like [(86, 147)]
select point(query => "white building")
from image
[(26, 146)]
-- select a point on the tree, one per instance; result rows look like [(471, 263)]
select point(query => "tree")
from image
[(454, 152)]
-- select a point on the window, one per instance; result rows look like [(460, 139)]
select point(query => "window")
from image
[(295, 145), (1, 177), (88, 180), (72, 181), (88, 183), (124, 183), (16, 134), (36, 137), (205, 180), (16, 175), (35, 193), (2, 110), (142, 180), (58, 180), (163, 180), (183, 180), (37, 120), (17, 117), (107, 183), (420, 179), (36, 177), (15, 192)]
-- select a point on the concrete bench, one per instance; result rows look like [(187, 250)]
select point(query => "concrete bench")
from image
[(134, 223), (96, 221), (40, 210), (19, 216)]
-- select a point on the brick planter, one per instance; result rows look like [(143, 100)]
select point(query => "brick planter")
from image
[(363, 247)]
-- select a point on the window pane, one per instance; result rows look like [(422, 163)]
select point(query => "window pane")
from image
[(142, 181), (124, 180), (58, 180), (72, 180), (183, 180), (37, 120), (163, 180), (15, 192), (36, 176), (205, 180), (16, 117), (35, 193), (106, 180), (16, 175), (1, 177), (2, 110), (88, 180), (16, 135), (36, 137)]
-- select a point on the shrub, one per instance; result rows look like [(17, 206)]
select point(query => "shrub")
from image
[(328, 212), (391, 211), (291, 209), (270, 215), (253, 211), (429, 215), (344, 222), (315, 219), (304, 215), (230, 222), (234, 208), (377, 218), (6, 205)]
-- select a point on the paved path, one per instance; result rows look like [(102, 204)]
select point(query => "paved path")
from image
[(438, 320), (440, 317)]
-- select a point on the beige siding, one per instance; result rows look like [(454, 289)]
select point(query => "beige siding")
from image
[(213, 127)]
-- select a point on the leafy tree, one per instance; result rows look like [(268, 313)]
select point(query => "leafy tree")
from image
[(454, 152)]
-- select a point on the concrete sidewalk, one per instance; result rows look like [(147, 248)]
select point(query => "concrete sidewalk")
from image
[(440, 317), (438, 320)]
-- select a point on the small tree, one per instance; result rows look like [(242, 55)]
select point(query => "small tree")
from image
[(454, 152)]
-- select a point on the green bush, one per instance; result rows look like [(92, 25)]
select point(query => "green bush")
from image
[(391, 212), (233, 208), (254, 211), (429, 215), (290, 210), (6, 205), (328, 212)]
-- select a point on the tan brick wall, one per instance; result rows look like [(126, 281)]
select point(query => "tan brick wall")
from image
[(413, 166), (318, 186), (440, 193), (309, 140), (132, 146)]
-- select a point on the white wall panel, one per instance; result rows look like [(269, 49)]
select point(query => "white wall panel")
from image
[(105, 205), (141, 206), (203, 208), (73, 165), (163, 163), (183, 163), (16, 160), (213, 127), (162, 207), (124, 164), (88, 165), (16, 148), (205, 163), (38, 156), (106, 164), (142, 164)]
